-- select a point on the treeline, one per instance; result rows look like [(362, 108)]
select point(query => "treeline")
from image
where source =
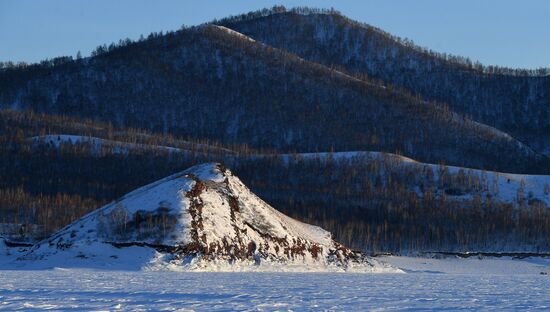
[(18, 127), (35, 216)]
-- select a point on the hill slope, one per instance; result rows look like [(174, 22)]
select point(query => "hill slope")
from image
[(515, 101), (212, 83), (194, 219)]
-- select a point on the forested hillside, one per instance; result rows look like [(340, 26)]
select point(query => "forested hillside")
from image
[(212, 83), (513, 100)]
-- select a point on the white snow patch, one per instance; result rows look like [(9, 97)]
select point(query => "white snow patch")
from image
[(234, 33), (118, 147)]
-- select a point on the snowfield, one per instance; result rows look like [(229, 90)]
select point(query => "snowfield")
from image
[(452, 284)]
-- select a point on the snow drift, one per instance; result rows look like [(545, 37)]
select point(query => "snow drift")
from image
[(201, 218)]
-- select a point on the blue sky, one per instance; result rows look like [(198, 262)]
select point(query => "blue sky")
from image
[(500, 32)]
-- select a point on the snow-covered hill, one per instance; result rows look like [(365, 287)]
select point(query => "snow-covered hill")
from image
[(464, 183), (502, 187), (201, 218)]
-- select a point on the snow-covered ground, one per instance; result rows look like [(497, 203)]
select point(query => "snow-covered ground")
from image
[(452, 284), (472, 265), (119, 147)]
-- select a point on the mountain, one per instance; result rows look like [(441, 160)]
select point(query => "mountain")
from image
[(201, 216), (514, 101), (210, 82)]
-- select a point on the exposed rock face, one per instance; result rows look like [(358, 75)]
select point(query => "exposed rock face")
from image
[(204, 214)]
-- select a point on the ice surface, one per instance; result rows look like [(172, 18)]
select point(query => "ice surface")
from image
[(473, 265), (78, 289)]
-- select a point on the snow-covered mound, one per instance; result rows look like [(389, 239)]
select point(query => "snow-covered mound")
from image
[(202, 218)]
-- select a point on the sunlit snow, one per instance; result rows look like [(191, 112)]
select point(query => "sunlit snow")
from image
[(430, 285)]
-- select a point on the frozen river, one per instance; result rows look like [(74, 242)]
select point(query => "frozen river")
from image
[(82, 289)]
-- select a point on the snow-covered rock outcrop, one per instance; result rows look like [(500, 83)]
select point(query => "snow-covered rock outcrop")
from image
[(201, 218)]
